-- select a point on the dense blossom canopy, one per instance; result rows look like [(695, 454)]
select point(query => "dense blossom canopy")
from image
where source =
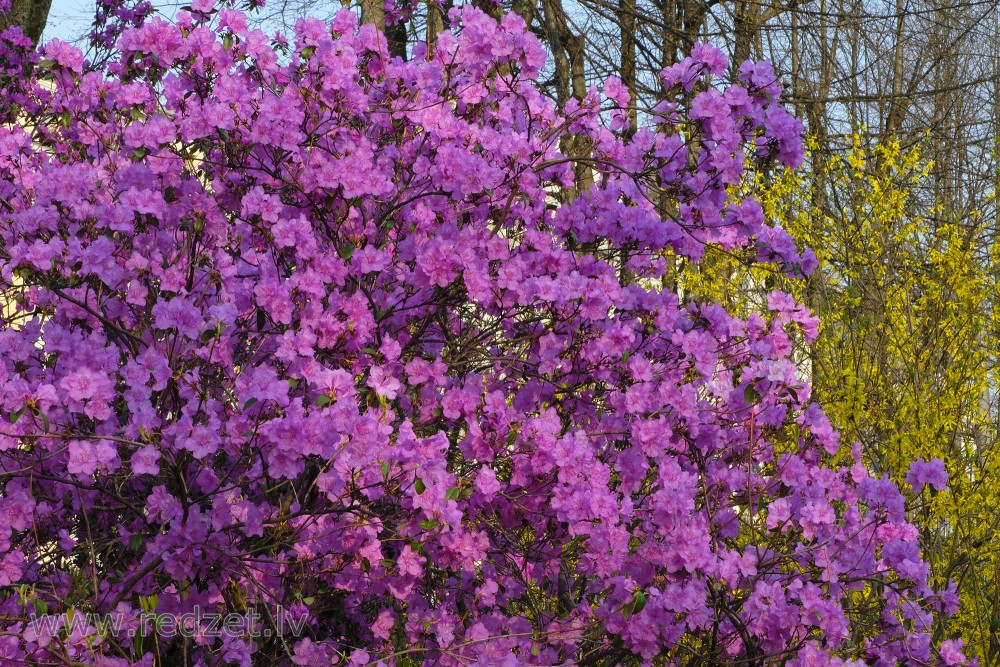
[(306, 328)]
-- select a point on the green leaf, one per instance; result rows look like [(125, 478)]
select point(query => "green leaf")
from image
[(40, 607), (323, 400), (638, 603), (249, 403), (14, 416), (307, 52), (347, 250), (418, 485), (453, 493), (45, 420), (750, 395), (135, 542), (428, 524), (384, 466)]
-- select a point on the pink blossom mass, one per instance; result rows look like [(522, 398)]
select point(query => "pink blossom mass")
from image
[(309, 331)]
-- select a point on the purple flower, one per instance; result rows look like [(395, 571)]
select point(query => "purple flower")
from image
[(81, 458), (951, 652), (384, 384), (323, 304), (11, 567), (711, 57), (931, 472), (614, 90), (145, 461)]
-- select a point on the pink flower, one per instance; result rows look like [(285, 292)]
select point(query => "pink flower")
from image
[(951, 652), (930, 472), (382, 627), (85, 384), (65, 54), (144, 461), (310, 654), (217, 244), (11, 567), (410, 563), (487, 483), (384, 384), (711, 57), (614, 90), (82, 460)]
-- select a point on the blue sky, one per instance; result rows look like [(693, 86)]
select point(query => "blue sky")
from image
[(69, 19)]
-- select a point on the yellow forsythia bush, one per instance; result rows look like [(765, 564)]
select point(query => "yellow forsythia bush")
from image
[(906, 359)]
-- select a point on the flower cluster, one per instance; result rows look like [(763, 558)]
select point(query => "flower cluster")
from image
[(320, 332)]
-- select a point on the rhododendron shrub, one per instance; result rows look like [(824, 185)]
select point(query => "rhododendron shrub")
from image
[(316, 333)]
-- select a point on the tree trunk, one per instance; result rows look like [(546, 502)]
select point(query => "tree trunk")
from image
[(30, 15), (372, 11), (435, 24), (626, 13)]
